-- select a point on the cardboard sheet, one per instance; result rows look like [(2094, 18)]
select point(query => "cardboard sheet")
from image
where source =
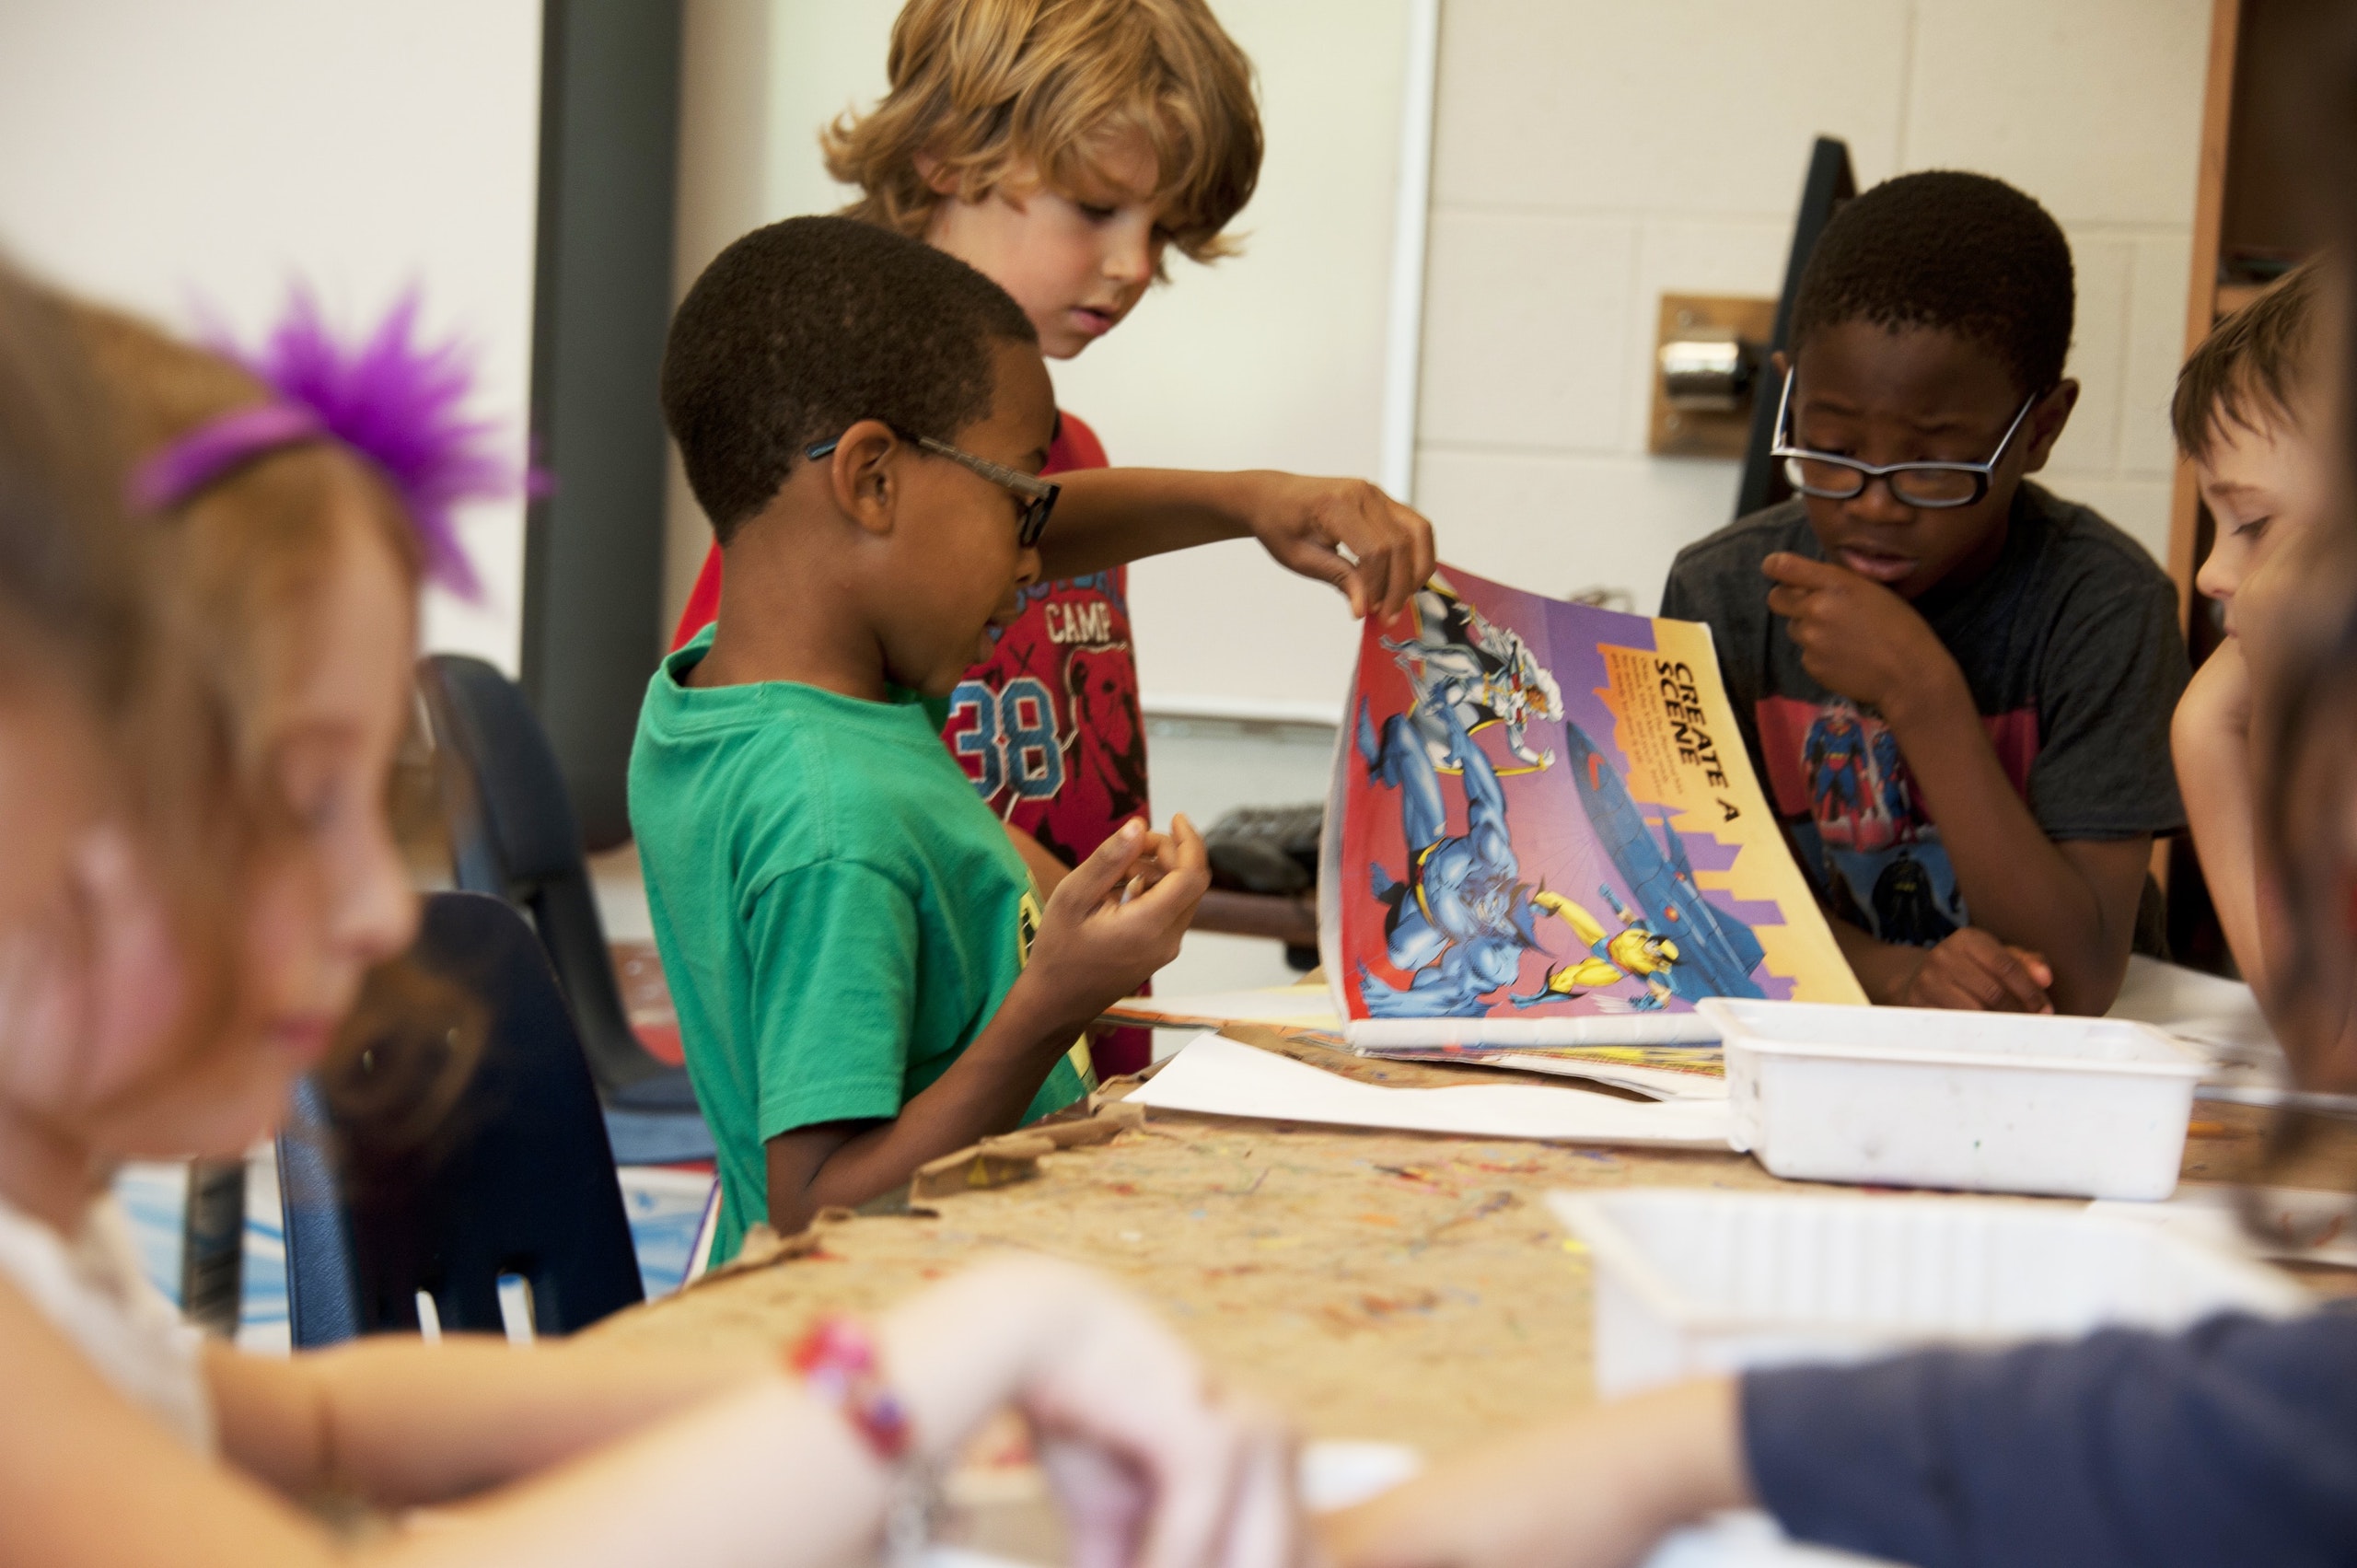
[(1214, 1077), (1298, 1007)]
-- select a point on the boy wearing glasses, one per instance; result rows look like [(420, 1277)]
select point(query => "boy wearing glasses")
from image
[(865, 976), (1956, 685)]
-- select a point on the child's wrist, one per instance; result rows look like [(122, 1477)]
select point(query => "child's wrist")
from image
[(1889, 971), (1687, 1459), (1048, 1007), (1936, 694)]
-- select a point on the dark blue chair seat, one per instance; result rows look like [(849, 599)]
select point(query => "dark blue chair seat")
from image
[(384, 1196), (513, 835)]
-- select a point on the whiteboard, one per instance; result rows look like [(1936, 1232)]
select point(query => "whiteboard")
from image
[(1277, 358)]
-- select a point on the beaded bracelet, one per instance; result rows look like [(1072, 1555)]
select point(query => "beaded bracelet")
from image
[(836, 1359)]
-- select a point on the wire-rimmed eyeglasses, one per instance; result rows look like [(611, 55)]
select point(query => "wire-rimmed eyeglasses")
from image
[(1038, 496), (1929, 484)]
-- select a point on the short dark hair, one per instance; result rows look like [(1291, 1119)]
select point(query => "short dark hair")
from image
[(2252, 366), (801, 330), (1959, 252)]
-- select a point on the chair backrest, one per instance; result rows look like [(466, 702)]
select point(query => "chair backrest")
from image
[(513, 835), (516, 1180)]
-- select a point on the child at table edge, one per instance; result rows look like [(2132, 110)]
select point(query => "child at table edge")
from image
[(2244, 416), (1080, 143), (865, 979), (236, 659), (1961, 711)]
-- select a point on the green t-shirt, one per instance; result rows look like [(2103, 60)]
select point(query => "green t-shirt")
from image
[(839, 914)]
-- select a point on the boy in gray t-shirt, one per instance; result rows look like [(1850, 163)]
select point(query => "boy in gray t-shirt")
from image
[(1956, 686)]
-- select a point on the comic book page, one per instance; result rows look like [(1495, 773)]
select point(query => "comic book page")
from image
[(1544, 831)]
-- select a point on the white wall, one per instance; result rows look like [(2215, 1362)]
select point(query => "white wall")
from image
[(161, 155), (1272, 359), (1591, 155)]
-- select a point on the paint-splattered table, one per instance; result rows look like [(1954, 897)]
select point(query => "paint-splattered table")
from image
[(1399, 1287)]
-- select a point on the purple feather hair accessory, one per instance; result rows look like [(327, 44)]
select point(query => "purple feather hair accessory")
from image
[(399, 403), (396, 402)]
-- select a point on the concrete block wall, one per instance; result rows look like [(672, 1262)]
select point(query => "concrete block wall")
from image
[(1590, 155)]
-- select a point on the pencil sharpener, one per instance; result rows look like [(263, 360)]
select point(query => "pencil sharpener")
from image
[(1713, 354)]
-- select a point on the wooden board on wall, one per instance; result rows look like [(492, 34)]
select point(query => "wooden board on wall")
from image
[(2202, 292)]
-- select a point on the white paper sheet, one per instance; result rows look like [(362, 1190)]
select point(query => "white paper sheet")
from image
[(2219, 1017), (1222, 1078)]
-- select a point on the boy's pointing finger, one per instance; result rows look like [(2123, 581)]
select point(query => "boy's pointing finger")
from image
[(1800, 571)]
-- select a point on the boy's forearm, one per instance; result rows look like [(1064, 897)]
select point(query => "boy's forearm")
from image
[(985, 1091), (2019, 885), (1110, 517), (1598, 1487), (1883, 967), (2213, 778)]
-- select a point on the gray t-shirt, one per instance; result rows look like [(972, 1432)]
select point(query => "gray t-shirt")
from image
[(2070, 644)]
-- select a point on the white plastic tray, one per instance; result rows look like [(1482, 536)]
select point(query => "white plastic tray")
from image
[(1691, 1280), (1993, 1102)]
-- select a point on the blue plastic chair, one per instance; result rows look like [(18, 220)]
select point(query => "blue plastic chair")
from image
[(513, 835), (517, 1181)]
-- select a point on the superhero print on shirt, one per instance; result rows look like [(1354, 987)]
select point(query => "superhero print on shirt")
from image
[(1048, 726), (1841, 784)]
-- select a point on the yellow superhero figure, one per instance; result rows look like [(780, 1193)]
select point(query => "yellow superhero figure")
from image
[(1634, 951)]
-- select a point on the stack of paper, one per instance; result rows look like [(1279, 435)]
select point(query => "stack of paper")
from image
[(1222, 1078)]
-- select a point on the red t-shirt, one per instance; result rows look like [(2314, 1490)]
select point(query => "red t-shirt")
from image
[(1048, 727)]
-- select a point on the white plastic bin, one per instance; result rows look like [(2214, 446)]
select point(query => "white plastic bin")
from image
[(1691, 1280), (1989, 1102)]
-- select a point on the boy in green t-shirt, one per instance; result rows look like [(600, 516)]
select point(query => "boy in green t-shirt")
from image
[(863, 976)]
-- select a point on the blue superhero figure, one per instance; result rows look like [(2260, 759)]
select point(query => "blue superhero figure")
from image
[(1459, 921), (1891, 770), (1833, 758)]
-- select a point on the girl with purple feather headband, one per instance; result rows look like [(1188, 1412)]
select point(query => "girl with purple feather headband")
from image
[(394, 401), (287, 513)]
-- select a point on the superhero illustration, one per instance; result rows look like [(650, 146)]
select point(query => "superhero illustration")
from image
[(1835, 760), (1857, 820), (1689, 948), (1907, 904), (1897, 790), (1458, 921), (1527, 799), (1460, 661), (1633, 952), (1860, 793)]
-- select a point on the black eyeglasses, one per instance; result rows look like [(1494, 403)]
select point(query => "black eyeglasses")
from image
[(1038, 496), (1917, 485)]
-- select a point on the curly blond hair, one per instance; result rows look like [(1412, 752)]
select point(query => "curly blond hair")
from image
[(982, 86)]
